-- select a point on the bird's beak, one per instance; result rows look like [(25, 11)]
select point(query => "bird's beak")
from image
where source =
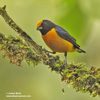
[(39, 28)]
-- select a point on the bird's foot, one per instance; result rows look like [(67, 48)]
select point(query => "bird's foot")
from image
[(65, 62), (52, 52)]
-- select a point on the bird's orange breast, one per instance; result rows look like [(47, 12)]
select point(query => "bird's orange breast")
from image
[(56, 43)]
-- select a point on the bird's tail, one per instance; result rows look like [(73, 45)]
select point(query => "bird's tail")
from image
[(81, 51)]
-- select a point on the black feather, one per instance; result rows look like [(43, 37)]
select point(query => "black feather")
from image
[(65, 35)]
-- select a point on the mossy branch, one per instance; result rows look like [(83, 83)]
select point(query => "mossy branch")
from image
[(23, 47)]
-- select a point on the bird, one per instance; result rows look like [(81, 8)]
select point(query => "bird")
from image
[(57, 38)]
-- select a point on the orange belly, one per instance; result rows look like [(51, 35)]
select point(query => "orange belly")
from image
[(56, 43)]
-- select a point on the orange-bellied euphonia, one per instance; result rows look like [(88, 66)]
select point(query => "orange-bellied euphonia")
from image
[(57, 38)]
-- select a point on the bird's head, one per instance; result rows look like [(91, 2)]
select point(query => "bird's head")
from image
[(44, 26)]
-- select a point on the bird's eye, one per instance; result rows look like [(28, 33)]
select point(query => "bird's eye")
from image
[(44, 23)]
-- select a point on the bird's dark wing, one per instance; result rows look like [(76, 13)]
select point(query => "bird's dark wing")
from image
[(65, 35)]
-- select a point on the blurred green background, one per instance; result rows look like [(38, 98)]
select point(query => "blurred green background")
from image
[(81, 18)]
